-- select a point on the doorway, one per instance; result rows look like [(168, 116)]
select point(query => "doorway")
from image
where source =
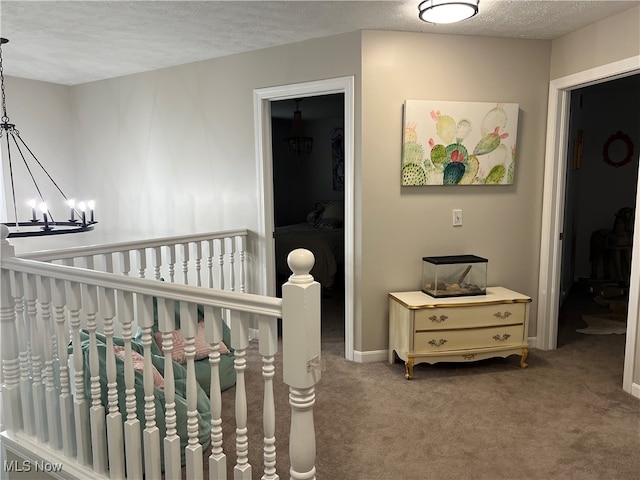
[(263, 99), (600, 188), (308, 197), (553, 216)]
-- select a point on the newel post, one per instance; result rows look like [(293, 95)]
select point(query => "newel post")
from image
[(301, 359), (9, 347)]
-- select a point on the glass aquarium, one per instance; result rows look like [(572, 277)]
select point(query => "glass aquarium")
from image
[(454, 275)]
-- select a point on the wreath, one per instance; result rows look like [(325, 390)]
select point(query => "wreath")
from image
[(607, 146)]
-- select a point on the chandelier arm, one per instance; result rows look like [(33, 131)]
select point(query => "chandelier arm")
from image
[(42, 167), (26, 164), (13, 188)]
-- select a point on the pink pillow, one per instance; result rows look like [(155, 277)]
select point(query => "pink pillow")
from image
[(202, 346), (138, 365)]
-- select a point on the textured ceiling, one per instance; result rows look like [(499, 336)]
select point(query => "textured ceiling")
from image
[(72, 42)]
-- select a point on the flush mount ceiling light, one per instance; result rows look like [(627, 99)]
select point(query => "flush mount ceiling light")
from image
[(447, 11), (33, 226)]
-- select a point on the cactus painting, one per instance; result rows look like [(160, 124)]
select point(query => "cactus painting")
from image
[(458, 143)]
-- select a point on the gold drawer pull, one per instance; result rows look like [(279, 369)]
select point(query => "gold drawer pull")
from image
[(441, 319), (437, 343), (502, 315), (502, 338)]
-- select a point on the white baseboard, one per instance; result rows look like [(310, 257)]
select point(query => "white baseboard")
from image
[(370, 356), (532, 341), (635, 390)]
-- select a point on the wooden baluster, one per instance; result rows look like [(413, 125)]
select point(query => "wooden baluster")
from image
[(125, 262), (142, 262), (193, 450), (115, 437), (210, 262), (24, 346), (172, 263), (157, 262), (96, 411), (185, 263), (198, 263), (108, 262), (214, 334), (89, 262), (66, 399), (166, 324), (221, 252), (132, 437), (12, 408), (243, 267), (80, 404), (268, 347), (51, 394), (37, 338), (301, 356), (232, 259), (151, 433), (240, 342)]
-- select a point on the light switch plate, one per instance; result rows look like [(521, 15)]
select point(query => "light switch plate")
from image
[(457, 218)]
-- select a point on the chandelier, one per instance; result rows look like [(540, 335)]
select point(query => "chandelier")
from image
[(81, 214), (447, 11), (297, 145)]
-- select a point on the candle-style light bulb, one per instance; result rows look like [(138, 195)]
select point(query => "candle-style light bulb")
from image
[(32, 204), (43, 209), (92, 205), (72, 203), (83, 207)]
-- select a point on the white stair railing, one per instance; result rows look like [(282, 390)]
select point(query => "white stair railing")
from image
[(158, 258), (61, 300)]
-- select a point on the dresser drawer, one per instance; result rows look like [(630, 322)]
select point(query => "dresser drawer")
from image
[(447, 318), (442, 340)]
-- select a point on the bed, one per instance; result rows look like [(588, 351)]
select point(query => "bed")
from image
[(323, 234)]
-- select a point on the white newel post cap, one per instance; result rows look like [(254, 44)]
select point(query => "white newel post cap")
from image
[(301, 262), (6, 249)]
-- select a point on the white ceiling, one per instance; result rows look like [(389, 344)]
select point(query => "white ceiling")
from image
[(72, 42)]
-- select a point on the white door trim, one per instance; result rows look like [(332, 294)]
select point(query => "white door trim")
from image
[(262, 98), (553, 212)]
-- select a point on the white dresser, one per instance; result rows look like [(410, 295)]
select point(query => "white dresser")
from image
[(424, 329)]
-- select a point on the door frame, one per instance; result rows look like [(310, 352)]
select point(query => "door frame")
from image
[(262, 98), (553, 216)]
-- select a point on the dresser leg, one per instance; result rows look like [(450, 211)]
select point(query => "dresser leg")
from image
[(523, 358), (409, 369)]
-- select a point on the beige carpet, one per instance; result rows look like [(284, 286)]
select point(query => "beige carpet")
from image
[(604, 324)]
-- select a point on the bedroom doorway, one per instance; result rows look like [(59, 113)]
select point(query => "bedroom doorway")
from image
[(598, 212), (264, 101), (553, 213), (308, 196)]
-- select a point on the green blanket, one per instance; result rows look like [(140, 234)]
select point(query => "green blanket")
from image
[(180, 375)]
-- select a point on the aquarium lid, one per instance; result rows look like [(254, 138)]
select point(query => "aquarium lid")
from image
[(450, 259)]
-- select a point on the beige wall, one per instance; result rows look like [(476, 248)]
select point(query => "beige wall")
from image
[(178, 143), (609, 40), (400, 225)]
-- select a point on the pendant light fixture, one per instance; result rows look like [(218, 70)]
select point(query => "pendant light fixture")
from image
[(297, 144), (447, 11), (81, 215)]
